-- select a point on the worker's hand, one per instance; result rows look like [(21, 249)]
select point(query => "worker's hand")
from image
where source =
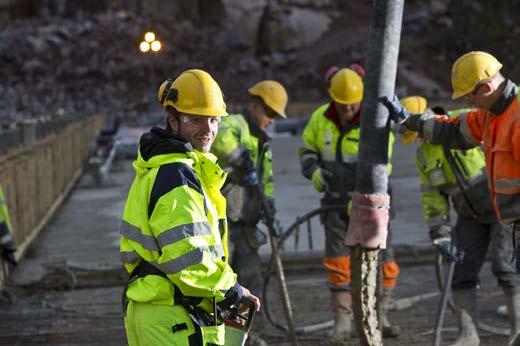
[(251, 178), (248, 295), (440, 233), (277, 228), (9, 257), (441, 239), (272, 207), (321, 179), (444, 247), (397, 111)]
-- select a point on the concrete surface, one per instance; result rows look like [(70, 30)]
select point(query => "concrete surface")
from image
[(68, 288)]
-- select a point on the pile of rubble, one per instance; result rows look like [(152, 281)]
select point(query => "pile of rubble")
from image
[(91, 63)]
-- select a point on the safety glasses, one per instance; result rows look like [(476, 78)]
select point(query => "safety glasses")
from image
[(199, 120), (270, 113)]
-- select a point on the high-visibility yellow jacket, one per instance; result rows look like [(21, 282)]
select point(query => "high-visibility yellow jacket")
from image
[(462, 177), (241, 146), (325, 145), (6, 237), (175, 219), (498, 130)]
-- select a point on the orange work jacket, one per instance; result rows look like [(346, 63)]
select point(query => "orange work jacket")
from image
[(500, 135)]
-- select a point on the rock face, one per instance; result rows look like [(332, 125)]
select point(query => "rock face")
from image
[(286, 28), (244, 17), (64, 56)]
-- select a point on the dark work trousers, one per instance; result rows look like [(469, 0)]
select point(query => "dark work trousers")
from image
[(474, 239)]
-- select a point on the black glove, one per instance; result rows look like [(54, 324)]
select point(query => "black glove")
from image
[(404, 120), (441, 239), (277, 228), (396, 110), (9, 257), (250, 178), (272, 207)]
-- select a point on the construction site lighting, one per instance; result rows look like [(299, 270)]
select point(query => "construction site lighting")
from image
[(156, 46), (149, 36), (144, 46)]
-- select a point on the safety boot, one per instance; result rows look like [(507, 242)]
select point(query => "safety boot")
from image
[(513, 307), (467, 315), (389, 330), (341, 303)]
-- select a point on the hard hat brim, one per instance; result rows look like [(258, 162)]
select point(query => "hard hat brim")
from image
[(457, 95), (203, 112)]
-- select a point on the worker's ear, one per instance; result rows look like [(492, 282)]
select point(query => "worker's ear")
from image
[(488, 88), (173, 123), (255, 107)]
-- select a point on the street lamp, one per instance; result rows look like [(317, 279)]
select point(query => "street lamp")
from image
[(149, 46)]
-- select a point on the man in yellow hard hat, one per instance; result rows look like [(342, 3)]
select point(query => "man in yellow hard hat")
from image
[(242, 147), (328, 159), (459, 176), (174, 230), (495, 124)]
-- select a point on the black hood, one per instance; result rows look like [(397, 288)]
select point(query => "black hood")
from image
[(160, 141)]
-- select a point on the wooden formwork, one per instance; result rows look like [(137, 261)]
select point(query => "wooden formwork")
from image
[(37, 176)]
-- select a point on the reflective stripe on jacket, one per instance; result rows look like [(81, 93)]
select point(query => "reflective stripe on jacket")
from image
[(321, 141), (174, 218), (236, 144), (498, 130), (6, 236)]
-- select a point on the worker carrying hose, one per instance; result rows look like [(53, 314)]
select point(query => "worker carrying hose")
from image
[(328, 159)]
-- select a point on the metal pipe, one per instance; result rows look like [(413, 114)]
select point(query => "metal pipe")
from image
[(383, 50), (372, 178)]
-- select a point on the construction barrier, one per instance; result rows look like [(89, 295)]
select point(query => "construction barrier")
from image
[(40, 160)]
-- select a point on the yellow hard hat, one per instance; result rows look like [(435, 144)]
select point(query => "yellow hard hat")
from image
[(193, 92), (346, 87), (470, 69), (273, 94), (415, 105)]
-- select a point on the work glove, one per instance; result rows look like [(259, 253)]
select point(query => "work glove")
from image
[(441, 238), (9, 257), (251, 178), (440, 233), (321, 178), (396, 110), (272, 207), (277, 228), (404, 120)]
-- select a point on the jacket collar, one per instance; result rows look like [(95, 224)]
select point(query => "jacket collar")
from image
[(508, 95), (332, 114), (255, 130), (160, 141)]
